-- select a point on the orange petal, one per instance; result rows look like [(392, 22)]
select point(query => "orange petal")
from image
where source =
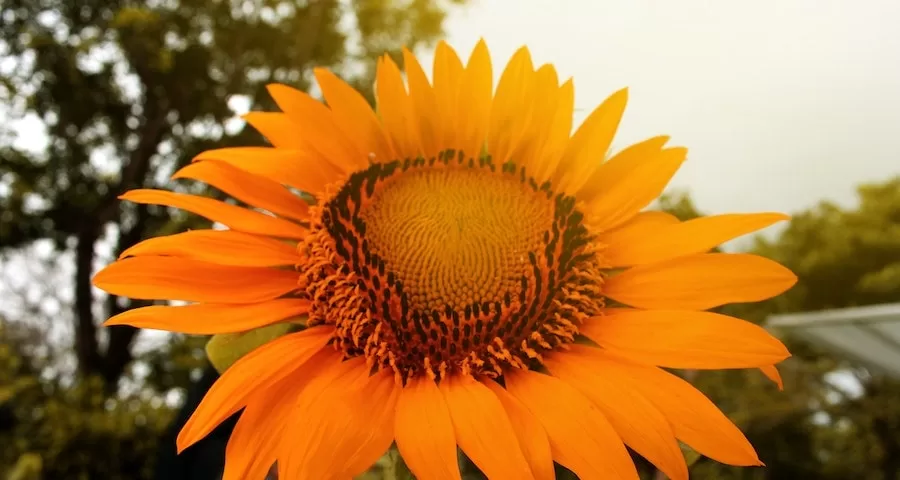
[(424, 105), (577, 430), (252, 189), (295, 168), (618, 166), (771, 372), (695, 420), (256, 371), (642, 427), (252, 446), (483, 431), (379, 394), (278, 129), (700, 282), (641, 225), (354, 116), (343, 424), (232, 216), (396, 109), (474, 107), (211, 318), (529, 432), (529, 152), (630, 184), (684, 339), (557, 132), (448, 71), (510, 116), (675, 240), (224, 247), (316, 125), (587, 149), (172, 278), (424, 432)]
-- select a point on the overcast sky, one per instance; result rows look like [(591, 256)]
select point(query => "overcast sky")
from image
[(781, 102)]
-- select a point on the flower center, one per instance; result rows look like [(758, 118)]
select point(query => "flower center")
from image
[(456, 238), (430, 267)]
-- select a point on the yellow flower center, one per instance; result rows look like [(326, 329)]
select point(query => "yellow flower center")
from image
[(431, 267), (456, 238)]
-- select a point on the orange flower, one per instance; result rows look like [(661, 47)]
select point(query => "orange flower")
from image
[(457, 272)]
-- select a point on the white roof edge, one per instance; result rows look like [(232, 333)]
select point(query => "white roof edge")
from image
[(888, 312)]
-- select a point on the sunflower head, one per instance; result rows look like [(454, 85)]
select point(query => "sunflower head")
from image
[(472, 274), (450, 265)]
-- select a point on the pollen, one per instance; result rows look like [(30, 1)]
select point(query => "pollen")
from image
[(450, 264)]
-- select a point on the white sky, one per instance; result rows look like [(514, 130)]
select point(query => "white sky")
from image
[(782, 103)]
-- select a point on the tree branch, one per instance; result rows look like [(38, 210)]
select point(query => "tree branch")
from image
[(86, 349)]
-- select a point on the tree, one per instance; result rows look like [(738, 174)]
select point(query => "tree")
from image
[(128, 91), (842, 257), (124, 93)]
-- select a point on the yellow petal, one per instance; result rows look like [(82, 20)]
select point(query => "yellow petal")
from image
[(528, 152), (474, 106), (231, 216), (556, 134), (510, 116), (619, 166), (254, 190), (252, 446), (448, 72), (278, 129), (396, 109), (695, 420), (684, 339), (354, 116), (581, 437), (343, 422), (223, 247), (424, 105), (633, 187), (379, 393), (700, 282), (529, 432), (315, 124), (641, 426), (698, 235), (634, 230), (482, 429), (172, 278), (424, 432), (294, 168), (211, 318), (587, 149), (771, 372), (256, 371)]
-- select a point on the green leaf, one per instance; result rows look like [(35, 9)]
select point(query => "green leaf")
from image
[(226, 348), (690, 455)]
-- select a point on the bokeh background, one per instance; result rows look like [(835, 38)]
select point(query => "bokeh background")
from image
[(786, 105)]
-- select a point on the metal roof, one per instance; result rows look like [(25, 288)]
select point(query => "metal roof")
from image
[(868, 335)]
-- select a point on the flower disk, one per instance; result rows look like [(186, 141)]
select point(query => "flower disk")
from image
[(450, 264)]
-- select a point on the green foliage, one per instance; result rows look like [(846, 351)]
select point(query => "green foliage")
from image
[(53, 430), (225, 349), (125, 93), (842, 257)]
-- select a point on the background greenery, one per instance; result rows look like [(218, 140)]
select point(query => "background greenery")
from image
[(128, 91)]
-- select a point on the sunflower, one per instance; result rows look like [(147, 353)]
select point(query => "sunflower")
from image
[(471, 275)]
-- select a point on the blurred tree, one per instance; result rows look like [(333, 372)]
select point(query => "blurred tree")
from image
[(127, 91), (103, 96), (815, 429)]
